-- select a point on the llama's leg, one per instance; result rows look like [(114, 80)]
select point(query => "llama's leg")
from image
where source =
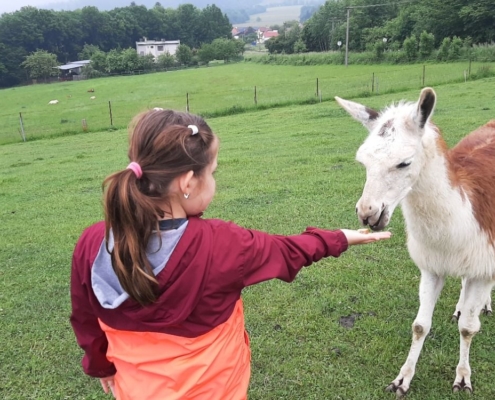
[(488, 306), (429, 289), (476, 293), (457, 312)]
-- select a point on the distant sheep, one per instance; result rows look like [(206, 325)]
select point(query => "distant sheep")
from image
[(53, 102), (93, 97), (158, 109)]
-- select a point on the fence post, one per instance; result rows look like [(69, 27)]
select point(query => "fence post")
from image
[(84, 125), (317, 87), (424, 73), (23, 134), (111, 117), (469, 68), (187, 102), (373, 83), (255, 96)]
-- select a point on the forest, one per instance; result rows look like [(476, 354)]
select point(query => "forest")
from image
[(373, 26)]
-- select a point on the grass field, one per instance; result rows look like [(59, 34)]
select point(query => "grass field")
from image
[(224, 89), (273, 16), (280, 170)]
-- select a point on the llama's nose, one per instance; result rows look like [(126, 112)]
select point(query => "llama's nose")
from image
[(367, 214)]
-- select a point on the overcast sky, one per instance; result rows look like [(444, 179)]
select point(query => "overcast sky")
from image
[(9, 6)]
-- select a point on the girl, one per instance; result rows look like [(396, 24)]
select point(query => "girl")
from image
[(156, 290)]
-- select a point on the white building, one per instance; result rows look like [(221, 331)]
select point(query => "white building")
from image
[(157, 47)]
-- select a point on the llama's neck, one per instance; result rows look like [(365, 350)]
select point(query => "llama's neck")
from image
[(434, 205)]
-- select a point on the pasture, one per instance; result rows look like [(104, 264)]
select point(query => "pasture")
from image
[(340, 331), (213, 91), (273, 16)]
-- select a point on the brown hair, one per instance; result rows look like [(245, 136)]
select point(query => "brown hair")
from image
[(165, 148)]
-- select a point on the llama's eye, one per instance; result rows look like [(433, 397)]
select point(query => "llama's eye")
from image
[(403, 165)]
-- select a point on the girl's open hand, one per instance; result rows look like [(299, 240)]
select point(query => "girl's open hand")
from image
[(358, 237), (107, 383)]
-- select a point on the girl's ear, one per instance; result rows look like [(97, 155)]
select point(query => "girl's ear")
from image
[(186, 182)]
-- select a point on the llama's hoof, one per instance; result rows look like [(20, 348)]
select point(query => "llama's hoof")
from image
[(462, 387), (391, 388), (487, 311), (400, 393)]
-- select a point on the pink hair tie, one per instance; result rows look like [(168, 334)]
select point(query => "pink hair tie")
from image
[(136, 168)]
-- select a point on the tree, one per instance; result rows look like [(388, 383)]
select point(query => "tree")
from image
[(88, 51), (41, 64), (213, 25), (99, 61), (443, 52), (455, 48), (411, 47), (166, 60), (426, 44), (299, 46), (184, 54)]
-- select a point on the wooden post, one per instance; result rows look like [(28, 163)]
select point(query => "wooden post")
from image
[(23, 134), (469, 68), (187, 102), (110, 109), (255, 96), (84, 125), (373, 83), (424, 73), (317, 88)]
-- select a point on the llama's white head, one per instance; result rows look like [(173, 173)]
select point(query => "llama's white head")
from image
[(392, 154)]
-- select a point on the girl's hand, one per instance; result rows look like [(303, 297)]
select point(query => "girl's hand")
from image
[(108, 383), (358, 237)]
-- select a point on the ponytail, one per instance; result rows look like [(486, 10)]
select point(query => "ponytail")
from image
[(132, 217)]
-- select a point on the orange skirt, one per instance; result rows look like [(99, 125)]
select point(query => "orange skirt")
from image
[(158, 366)]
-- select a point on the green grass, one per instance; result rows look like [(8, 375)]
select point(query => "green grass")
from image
[(222, 90), (280, 170)]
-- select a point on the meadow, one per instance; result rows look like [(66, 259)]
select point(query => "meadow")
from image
[(213, 91), (341, 330), (273, 16)]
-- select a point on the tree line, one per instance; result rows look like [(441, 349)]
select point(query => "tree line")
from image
[(470, 21), (65, 33)]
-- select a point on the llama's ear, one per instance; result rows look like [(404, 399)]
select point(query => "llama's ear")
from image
[(359, 112), (426, 105)]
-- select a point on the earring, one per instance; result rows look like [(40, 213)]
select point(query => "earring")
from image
[(186, 195)]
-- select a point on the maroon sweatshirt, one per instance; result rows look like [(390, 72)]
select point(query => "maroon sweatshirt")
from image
[(199, 286)]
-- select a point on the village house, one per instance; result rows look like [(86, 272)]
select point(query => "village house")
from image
[(157, 47)]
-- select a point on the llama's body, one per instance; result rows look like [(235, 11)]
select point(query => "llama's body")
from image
[(448, 202)]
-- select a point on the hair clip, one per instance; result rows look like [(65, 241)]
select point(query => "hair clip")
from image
[(194, 129)]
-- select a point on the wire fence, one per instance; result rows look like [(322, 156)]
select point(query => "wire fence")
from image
[(115, 114)]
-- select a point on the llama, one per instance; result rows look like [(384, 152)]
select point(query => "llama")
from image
[(448, 203)]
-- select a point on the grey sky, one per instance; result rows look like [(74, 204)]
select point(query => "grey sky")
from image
[(12, 5)]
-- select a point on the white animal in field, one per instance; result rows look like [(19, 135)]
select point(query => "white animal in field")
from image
[(448, 202), (158, 109), (53, 102), (93, 97)]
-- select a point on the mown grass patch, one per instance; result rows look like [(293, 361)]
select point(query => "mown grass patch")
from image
[(212, 92)]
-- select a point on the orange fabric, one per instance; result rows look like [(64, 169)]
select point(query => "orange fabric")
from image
[(158, 366)]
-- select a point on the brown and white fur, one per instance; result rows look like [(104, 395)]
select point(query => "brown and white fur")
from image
[(448, 202)]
